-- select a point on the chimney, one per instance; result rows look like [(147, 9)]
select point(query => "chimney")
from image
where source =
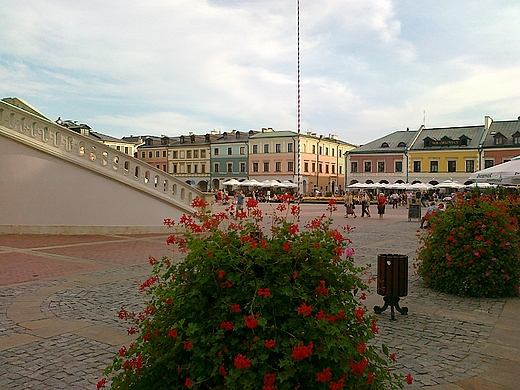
[(487, 122)]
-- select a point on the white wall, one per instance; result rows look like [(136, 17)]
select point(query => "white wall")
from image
[(40, 193)]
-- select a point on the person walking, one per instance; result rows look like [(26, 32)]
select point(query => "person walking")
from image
[(381, 203), (349, 205), (365, 204)]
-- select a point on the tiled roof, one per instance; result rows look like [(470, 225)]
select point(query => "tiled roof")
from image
[(505, 128), (396, 142), (446, 138)]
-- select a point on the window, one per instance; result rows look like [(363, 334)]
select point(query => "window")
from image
[(470, 165), (417, 166), (255, 167), (164, 167), (333, 167), (278, 166), (289, 147), (203, 168), (368, 166), (195, 154), (488, 163), (380, 166), (266, 148), (401, 145), (306, 167), (157, 153), (118, 147), (326, 168), (181, 154), (340, 170), (321, 150), (195, 168), (398, 166), (126, 150), (216, 168), (202, 154), (242, 167), (157, 166), (434, 166), (384, 145), (499, 140), (164, 153), (290, 166), (188, 168), (150, 154), (229, 151), (313, 149), (353, 166), (242, 150), (174, 168), (452, 166), (320, 167), (230, 167), (313, 167), (278, 148), (188, 154), (266, 167), (255, 149), (326, 151), (143, 154), (516, 138), (215, 152)]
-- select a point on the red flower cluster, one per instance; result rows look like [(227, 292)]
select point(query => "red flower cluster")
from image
[(304, 310), (359, 367), (269, 380), (337, 385), (251, 321), (173, 333), (301, 351), (241, 361), (270, 343), (235, 308), (264, 292), (148, 282), (359, 313), (222, 370), (321, 289), (199, 203), (409, 379), (361, 348), (187, 344), (101, 383), (226, 325), (221, 274), (324, 376)]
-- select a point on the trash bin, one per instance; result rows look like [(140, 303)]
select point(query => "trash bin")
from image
[(392, 282), (392, 275)]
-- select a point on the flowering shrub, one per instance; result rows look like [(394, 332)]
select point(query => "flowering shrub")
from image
[(250, 310), (472, 248)]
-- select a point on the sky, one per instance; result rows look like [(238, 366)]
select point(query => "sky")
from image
[(171, 67)]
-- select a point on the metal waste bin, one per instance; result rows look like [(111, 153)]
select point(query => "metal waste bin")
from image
[(392, 282)]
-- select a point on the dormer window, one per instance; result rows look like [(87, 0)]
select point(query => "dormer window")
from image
[(463, 140), (516, 138), (181, 139), (384, 145), (427, 142), (237, 134), (192, 138), (401, 145), (499, 139)]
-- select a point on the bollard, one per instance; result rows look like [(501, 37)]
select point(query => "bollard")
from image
[(392, 282)]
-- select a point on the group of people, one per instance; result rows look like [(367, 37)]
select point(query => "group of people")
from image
[(364, 199)]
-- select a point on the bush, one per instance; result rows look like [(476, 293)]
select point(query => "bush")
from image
[(472, 248), (245, 310)]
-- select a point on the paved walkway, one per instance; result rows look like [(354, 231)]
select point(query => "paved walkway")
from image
[(59, 298)]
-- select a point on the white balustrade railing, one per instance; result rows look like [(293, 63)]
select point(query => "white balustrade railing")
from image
[(49, 137)]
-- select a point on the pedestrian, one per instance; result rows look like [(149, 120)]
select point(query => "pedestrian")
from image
[(239, 200), (349, 205), (381, 202), (365, 204), (432, 208), (395, 199)]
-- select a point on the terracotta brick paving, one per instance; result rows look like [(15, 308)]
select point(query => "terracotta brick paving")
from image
[(23, 267), (26, 241), (123, 253)]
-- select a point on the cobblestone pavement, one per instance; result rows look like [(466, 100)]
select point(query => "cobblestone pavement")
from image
[(59, 325)]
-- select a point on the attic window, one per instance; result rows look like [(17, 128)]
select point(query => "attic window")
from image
[(427, 142), (237, 134), (384, 145), (192, 138), (463, 141), (516, 138), (181, 139), (499, 141), (401, 145)]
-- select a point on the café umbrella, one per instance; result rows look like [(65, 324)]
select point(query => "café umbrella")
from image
[(504, 174)]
